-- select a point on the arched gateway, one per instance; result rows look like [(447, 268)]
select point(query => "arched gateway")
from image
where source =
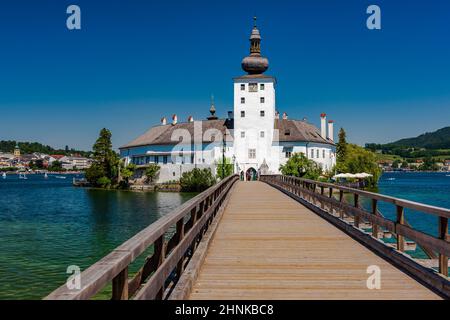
[(251, 174)]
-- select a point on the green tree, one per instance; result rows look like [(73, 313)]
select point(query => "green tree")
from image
[(396, 164), (299, 165), (429, 164), (360, 160), (341, 150), (55, 166), (127, 172), (197, 180), (151, 171), (224, 170), (405, 165), (106, 162)]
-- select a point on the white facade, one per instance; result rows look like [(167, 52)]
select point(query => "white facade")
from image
[(257, 143), (254, 114)]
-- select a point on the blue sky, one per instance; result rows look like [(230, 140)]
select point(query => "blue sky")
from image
[(136, 61)]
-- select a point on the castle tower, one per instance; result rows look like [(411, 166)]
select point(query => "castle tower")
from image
[(254, 109)]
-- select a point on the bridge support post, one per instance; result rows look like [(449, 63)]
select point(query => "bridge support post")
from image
[(400, 220), (356, 218), (120, 286), (374, 212), (443, 233)]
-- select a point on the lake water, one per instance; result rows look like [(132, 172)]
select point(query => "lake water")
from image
[(47, 225)]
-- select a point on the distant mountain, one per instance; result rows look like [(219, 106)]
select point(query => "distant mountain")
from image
[(439, 139)]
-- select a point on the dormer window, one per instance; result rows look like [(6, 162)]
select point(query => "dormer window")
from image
[(252, 87), (242, 100), (287, 132)]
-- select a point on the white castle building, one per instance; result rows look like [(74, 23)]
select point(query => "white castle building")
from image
[(252, 137)]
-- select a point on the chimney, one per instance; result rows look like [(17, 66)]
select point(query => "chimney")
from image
[(230, 114), (163, 121), (323, 125), (277, 115), (190, 119), (285, 116), (174, 119), (331, 130)]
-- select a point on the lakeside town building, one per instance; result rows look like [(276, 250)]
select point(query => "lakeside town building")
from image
[(253, 137)]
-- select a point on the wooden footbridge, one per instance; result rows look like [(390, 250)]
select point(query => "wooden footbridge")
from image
[(277, 238)]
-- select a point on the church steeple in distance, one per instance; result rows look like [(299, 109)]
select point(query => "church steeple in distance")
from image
[(255, 63)]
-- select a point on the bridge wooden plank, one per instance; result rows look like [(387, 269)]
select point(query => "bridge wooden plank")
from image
[(268, 246)]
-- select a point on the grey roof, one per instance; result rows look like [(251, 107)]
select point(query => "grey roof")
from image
[(300, 131), (162, 135)]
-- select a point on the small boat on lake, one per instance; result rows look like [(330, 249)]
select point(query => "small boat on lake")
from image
[(45, 176), (23, 176), (4, 175), (60, 177)]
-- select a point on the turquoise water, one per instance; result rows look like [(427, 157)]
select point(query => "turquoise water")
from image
[(47, 225), (428, 188)]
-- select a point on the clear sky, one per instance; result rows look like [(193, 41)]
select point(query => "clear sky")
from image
[(136, 61)]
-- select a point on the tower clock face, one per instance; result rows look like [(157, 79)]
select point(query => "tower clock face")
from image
[(253, 87)]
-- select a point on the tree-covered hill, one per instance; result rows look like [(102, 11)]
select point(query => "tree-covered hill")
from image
[(439, 139), (432, 144), (30, 147)]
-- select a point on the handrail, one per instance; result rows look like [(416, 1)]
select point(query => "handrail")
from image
[(169, 257), (314, 192)]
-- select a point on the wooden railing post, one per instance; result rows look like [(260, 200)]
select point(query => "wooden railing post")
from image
[(443, 231), (356, 217), (160, 252), (341, 199), (120, 285), (180, 236), (400, 220), (374, 212)]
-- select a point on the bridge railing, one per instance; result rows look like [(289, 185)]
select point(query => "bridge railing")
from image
[(173, 238), (330, 198)]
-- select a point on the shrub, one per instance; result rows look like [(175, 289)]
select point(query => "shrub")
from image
[(197, 180), (299, 165)]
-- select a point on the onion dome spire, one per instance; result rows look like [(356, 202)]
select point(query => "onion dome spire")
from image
[(255, 63), (212, 110)]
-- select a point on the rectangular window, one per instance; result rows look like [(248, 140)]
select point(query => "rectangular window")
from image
[(323, 153), (242, 87), (261, 134), (288, 154), (262, 86), (317, 154), (262, 113), (165, 159), (252, 87), (312, 153), (242, 100), (251, 153), (242, 134), (156, 159), (262, 100), (242, 114)]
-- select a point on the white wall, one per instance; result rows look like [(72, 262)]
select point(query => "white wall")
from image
[(252, 124)]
